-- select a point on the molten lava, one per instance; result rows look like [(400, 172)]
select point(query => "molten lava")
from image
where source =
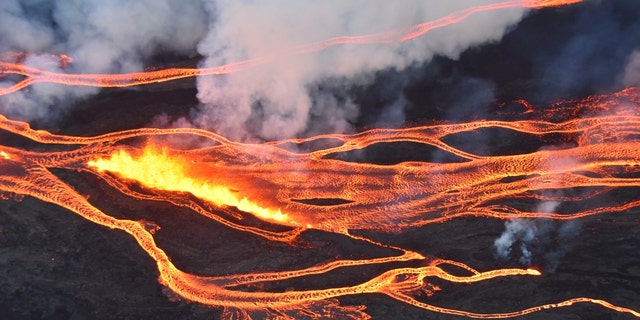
[(33, 75), (160, 171), (263, 178), (286, 188)]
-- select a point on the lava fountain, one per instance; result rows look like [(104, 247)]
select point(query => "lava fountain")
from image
[(250, 186), (269, 182)]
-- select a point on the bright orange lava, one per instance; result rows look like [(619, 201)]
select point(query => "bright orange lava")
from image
[(34, 75), (270, 177), (280, 186), (158, 170)]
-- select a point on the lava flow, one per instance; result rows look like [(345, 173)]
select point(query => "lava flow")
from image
[(253, 187), (280, 186), (34, 75)]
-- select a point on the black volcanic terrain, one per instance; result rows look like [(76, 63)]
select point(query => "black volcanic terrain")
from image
[(56, 265)]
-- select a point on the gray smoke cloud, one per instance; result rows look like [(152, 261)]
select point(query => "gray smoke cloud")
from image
[(286, 97), (631, 75), (543, 240), (101, 37), (282, 98), (529, 241), (275, 101), (524, 234), (518, 230)]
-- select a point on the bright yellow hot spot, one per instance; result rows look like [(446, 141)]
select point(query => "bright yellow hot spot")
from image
[(4, 155), (533, 272), (157, 170)]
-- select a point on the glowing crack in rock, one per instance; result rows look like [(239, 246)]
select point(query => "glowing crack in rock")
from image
[(279, 186), (370, 188), (163, 172)]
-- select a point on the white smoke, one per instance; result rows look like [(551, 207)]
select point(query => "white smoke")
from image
[(545, 241), (101, 36), (19, 31), (631, 75), (273, 101), (41, 100), (543, 237), (279, 99), (525, 234)]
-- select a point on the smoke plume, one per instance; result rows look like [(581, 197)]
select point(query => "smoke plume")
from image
[(540, 240), (543, 242), (631, 75), (282, 98), (100, 36), (294, 95)]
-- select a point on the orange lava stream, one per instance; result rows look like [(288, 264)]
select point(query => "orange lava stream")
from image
[(163, 172), (34, 75), (280, 186), (259, 178), (369, 190)]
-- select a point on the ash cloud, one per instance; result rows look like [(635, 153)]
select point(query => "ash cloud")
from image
[(275, 101), (100, 36)]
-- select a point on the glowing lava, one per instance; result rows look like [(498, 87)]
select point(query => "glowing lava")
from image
[(285, 188), (368, 190), (273, 177), (160, 171), (34, 75)]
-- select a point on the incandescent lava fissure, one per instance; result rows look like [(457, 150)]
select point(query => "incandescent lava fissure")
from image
[(280, 186), (259, 178)]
